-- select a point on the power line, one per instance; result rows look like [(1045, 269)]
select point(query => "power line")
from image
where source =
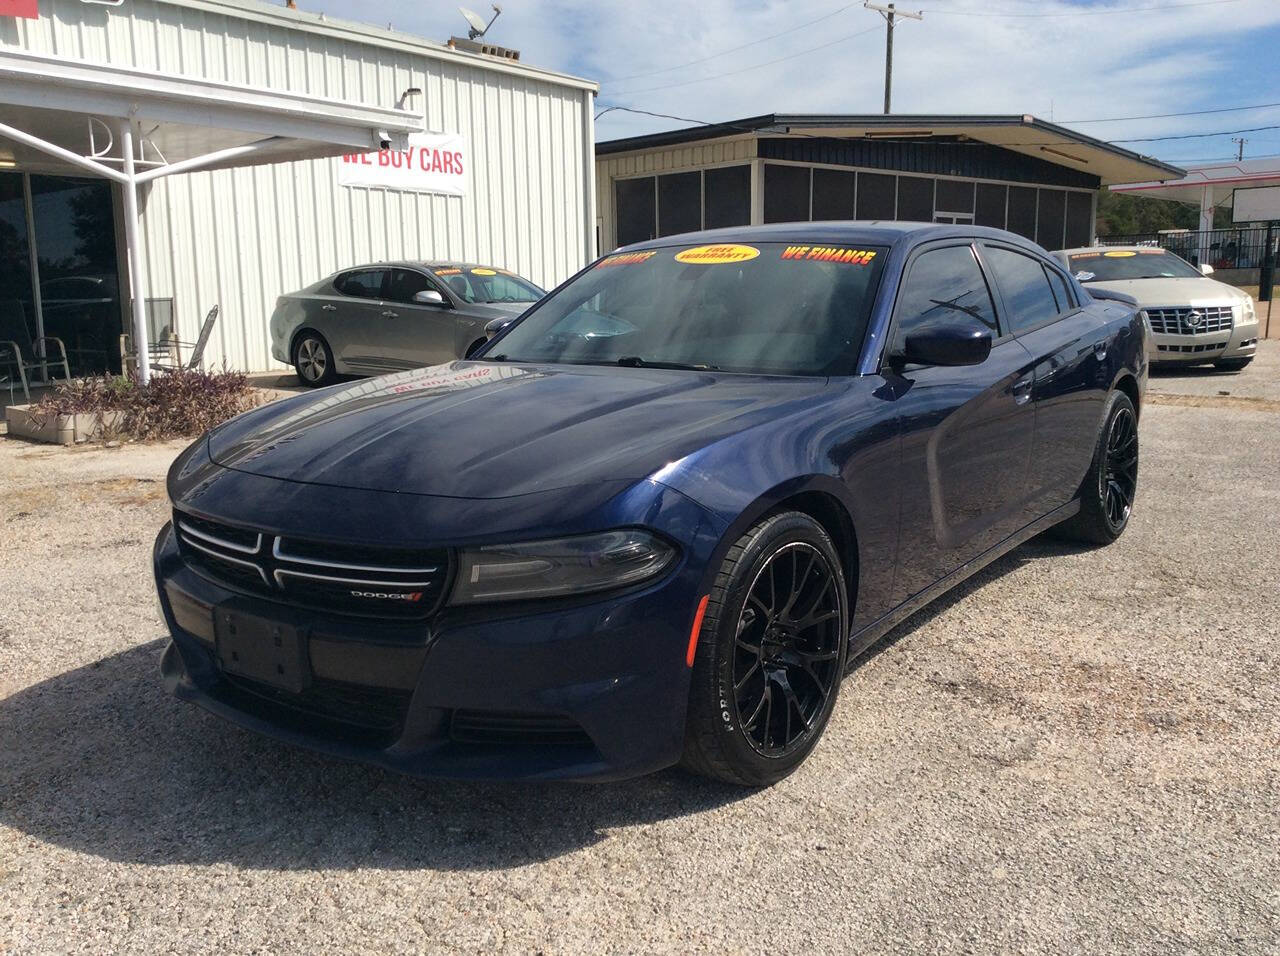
[(749, 69), (1225, 132), (1223, 109), (1083, 12), (713, 56)]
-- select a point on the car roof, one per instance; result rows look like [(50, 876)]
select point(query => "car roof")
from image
[(432, 264), (874, 232), (1090, 250)]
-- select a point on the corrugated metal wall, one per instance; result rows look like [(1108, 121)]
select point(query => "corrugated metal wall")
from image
[(610, 168), (242, 237)]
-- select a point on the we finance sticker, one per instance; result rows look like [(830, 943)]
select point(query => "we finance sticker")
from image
[(854, 257), (716, 255), (625, 259)]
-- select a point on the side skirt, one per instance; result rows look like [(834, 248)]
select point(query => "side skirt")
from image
[(865, 638)]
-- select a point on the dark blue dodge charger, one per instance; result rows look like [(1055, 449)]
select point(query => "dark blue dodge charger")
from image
[(657, 517)]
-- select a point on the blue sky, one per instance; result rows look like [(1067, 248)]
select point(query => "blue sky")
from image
[(1066, 60)]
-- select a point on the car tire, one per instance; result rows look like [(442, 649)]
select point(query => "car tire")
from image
[(1232, 365), (773, 642), (1107, 494), (313, 360)]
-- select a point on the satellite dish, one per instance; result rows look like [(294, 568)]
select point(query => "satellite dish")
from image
[(478, 27)]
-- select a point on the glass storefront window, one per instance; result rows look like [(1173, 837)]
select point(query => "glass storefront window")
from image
[(17, 309)]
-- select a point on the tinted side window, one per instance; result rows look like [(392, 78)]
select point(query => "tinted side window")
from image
[(1060, 290), (366, 284), (1024, 286), (944, 285), (405, 283)]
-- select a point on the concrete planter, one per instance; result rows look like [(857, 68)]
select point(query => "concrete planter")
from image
[(61, 429)]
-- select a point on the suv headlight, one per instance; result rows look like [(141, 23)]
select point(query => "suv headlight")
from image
[(559, 566), (1247, 313)]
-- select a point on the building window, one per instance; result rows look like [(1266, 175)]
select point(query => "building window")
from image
[(956, 198), (1022, 211), (1051, 218), (679, 203), (726, 196), (786, 193), (637, 210), (833, 194), (1079, 220), (915, 199), (989, 205), (876, 196)]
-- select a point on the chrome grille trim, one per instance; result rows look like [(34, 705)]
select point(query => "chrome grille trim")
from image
[(280, 554), (219, 556), (282, 573), (219, 542), (1174, 320)]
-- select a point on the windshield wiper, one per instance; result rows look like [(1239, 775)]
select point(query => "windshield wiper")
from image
[(635, 361)]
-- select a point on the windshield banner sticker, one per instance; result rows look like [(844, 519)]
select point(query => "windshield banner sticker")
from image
[(483, 272), (716, 255), (859, 257), (625, 259), (1120, 254)]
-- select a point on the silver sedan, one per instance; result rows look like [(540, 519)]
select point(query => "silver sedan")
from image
[(390, 316)]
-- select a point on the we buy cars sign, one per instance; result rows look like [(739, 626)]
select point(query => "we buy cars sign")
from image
[(432, 163), (19, 8)]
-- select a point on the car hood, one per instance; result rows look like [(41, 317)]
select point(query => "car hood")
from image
[(1174, 292), (496, 430)]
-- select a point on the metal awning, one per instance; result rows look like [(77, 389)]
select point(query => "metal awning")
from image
[(60, 115), (1020, 134), (1220, 179)]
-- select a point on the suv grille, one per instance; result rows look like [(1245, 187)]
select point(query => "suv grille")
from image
[(1189, 321), (349, 579)]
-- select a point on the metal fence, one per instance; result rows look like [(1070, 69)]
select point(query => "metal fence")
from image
[(1220, 248)]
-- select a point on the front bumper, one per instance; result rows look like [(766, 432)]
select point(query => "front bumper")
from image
[(588, 690), (1239, 342)]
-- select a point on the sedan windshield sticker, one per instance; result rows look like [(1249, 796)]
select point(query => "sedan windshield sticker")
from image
[(1120, 254), (625, 259), (857, 257), (716, 255), (447, 272), (483, 272)]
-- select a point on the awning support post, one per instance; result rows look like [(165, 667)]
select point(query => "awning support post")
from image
[(130, 189), (1206, 224)]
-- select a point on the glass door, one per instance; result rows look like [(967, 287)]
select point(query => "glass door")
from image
[(78, 270), (17, 307)]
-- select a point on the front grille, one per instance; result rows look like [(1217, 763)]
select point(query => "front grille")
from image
[(348, 579), (505, 727), (1219, 347), (368, 715), (1189, 321)]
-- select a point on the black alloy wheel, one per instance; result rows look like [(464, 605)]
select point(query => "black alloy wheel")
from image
[(1108, 491), (770, 653), (1120, 474), (786, 662)]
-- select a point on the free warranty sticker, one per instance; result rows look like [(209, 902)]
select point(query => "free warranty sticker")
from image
[(716, 255)]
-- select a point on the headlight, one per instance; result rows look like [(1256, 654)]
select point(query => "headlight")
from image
[(1247, 313), (536, 569)]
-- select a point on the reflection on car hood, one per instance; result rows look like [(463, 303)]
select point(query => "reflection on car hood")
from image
[(1171, 292), (491, 430)]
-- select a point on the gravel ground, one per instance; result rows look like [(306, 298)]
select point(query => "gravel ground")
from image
[(1077, 751)]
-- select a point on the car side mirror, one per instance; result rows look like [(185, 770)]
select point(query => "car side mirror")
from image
[(428, 297), (494, 326), (946, 343), (1206, 269)]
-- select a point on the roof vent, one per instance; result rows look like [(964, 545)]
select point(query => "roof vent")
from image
[(488, 49)]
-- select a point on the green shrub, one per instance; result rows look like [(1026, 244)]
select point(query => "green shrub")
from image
[(173, 404)]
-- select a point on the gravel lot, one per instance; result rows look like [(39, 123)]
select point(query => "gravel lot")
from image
[(1078, 751)]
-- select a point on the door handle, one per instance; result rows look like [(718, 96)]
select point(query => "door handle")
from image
[(329, 308), (1022, 390), (388, 314), (1100, 350)]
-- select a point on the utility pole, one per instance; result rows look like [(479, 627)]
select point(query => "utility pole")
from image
[(890, 13), (1239, 141)]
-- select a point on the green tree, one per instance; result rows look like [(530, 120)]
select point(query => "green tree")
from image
[(1122, 214)]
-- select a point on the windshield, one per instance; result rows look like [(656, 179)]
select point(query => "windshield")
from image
[(767, 307), (1131, 264), (474, 284)]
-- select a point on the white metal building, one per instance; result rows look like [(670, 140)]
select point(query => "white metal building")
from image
[(236, 113)]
